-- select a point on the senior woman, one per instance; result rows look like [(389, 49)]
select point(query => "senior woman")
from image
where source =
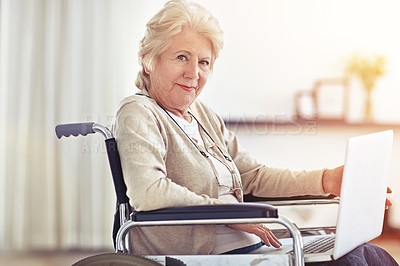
[(176, 151)]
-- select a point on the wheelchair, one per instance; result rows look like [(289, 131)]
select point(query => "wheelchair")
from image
[(126, 218)]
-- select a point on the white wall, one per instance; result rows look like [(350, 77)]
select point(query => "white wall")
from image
[(275, 48)]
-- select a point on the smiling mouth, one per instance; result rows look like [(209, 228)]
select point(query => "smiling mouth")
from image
[(186, 88)]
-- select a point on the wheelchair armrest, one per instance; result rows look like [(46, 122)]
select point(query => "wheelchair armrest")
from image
[(202, 212), (212, 214), (290, 201)]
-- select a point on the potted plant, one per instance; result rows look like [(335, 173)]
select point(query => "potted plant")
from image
[(368, 70)]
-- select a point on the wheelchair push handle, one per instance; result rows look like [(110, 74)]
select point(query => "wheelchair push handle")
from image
[(75, 129), (83, 129)]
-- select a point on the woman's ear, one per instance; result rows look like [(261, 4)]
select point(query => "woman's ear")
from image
[(145, 65), (147, 70)]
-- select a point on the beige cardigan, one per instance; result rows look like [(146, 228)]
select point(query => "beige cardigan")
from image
[(163, 168)]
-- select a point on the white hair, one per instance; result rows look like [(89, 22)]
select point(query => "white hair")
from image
[(170, 21)]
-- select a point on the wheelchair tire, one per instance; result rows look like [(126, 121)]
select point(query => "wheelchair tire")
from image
[(112, 259), (173, 262)]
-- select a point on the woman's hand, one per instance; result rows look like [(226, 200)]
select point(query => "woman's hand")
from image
[(332, 182), (260, 230)]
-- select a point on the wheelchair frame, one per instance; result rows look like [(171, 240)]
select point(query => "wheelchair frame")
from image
[(126, 218)]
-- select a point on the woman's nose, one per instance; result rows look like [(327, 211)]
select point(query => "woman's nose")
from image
[(192, 71)]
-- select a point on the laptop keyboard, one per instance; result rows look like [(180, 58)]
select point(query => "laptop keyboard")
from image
[(319, 245)]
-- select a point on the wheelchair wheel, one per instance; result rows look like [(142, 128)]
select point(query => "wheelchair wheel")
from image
[(111, 259)]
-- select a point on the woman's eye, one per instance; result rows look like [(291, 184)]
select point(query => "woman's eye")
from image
[(204, 63), (181, 57)]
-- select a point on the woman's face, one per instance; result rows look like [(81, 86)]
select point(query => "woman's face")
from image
[(181, 72)]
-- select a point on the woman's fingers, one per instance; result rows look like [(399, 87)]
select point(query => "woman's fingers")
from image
[(388, 203), (268, 237), (274, 240), (260, 230), (263, 233)]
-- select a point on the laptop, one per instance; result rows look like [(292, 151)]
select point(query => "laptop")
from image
[(362, 200)]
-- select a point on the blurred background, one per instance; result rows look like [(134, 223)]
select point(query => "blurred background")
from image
[(294, 81)]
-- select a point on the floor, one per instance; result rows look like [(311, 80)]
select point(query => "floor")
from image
[(44, 258), (389, 243)]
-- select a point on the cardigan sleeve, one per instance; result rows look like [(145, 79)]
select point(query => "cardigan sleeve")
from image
[(142, 148), (263, 181)]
